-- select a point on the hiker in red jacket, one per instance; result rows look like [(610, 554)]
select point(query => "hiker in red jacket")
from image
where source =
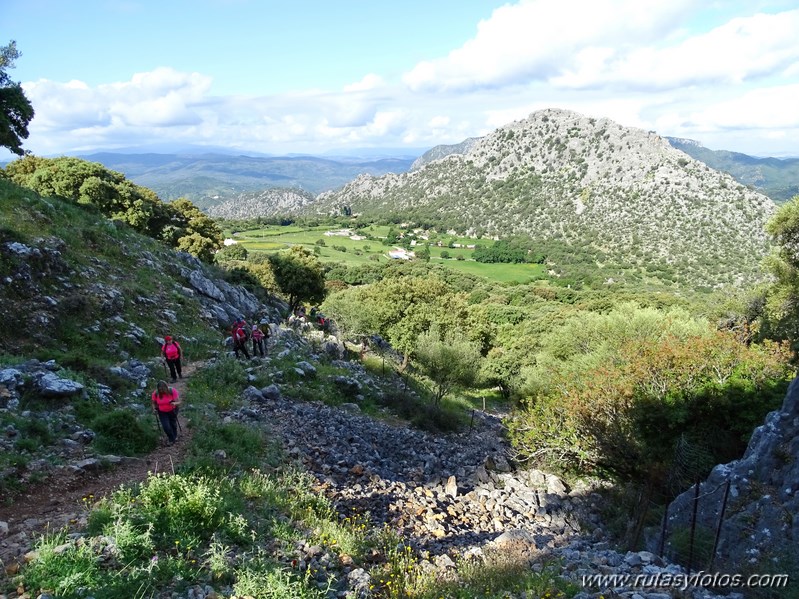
[(166, 400), (258, 341), (172, 353), (240, 332)]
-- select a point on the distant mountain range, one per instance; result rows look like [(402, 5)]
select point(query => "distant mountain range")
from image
[(210, 179), (778, 178), (622, 196)]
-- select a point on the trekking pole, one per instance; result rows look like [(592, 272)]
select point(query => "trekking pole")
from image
[(161, 432)]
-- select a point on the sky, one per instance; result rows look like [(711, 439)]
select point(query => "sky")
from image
[(336, 76)]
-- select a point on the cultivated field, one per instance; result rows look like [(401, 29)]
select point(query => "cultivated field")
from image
[(368, 247)]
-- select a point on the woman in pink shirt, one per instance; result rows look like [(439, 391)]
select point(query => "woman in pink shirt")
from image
[(165, 402)]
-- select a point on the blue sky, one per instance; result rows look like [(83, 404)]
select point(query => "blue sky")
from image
[(320, 76)]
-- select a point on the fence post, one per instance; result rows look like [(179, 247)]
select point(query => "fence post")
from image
[(718, 528), (693, 529)]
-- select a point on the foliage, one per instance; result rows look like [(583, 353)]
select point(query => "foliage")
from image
[(299, 276), (780, 317), (179, 224), (399, 309), (219, 383), (517, 249), (122, 432), (615, 392), (448, 359), (234, 251), (16, 110), (244, 447)]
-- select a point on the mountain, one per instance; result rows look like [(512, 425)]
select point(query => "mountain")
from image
[(442, 151), (209, 179), (269, 202), (778, 178), (623, 197)]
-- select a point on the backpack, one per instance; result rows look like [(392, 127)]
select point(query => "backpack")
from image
[(240, 334), (171, 350)]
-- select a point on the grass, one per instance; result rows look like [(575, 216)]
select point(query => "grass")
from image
[(341, 249), (232, 515), (234, 522)]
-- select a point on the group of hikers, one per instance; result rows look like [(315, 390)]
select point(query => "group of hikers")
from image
[(244, 334), (301, 318), (166, 399)]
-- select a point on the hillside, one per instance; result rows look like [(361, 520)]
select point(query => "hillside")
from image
[(622, 196), (208, 179), (442, 151), (276, 201), (95, 292), (268, 492), (297, 474), (778, 178)]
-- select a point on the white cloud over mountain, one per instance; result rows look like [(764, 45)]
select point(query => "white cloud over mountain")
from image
[(642, 63)]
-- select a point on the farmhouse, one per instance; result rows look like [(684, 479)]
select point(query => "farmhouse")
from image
[(400, 254)]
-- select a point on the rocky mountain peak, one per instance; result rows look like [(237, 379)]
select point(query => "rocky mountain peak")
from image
[(623, 194)]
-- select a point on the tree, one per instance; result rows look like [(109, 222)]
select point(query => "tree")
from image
[(16, 111), (449, 360), (780, 318), (299, 275), (423, 254), (231, 252)]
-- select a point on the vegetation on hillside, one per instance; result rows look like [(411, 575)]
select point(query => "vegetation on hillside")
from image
[(778, 178), (179, 224), (622, 346), (629, 205)]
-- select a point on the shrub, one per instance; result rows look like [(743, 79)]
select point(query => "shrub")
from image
[(123, 433), (219, 383), (620, 404)]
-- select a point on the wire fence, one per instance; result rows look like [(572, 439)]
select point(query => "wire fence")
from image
[(688, 535), (691, 540)]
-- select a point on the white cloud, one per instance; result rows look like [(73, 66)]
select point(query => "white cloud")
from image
[(369, 82), (634, 62), (536, 40), (161, 98), (765, 108), (740, 50)]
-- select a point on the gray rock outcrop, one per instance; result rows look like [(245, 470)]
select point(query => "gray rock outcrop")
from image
[(759, 524)]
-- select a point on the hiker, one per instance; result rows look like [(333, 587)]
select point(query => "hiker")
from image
[(258, 341), (172, 353), (240, 333), (165, 403)]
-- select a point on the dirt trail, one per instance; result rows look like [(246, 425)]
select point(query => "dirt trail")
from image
[(63, 499)]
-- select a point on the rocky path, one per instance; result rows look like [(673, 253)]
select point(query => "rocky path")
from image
[(453, 496), (448, 496), (63, 498)]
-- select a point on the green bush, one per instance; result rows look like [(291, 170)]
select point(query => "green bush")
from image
[(64, 572), (244, 447), (219, 384), (124, 433)]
